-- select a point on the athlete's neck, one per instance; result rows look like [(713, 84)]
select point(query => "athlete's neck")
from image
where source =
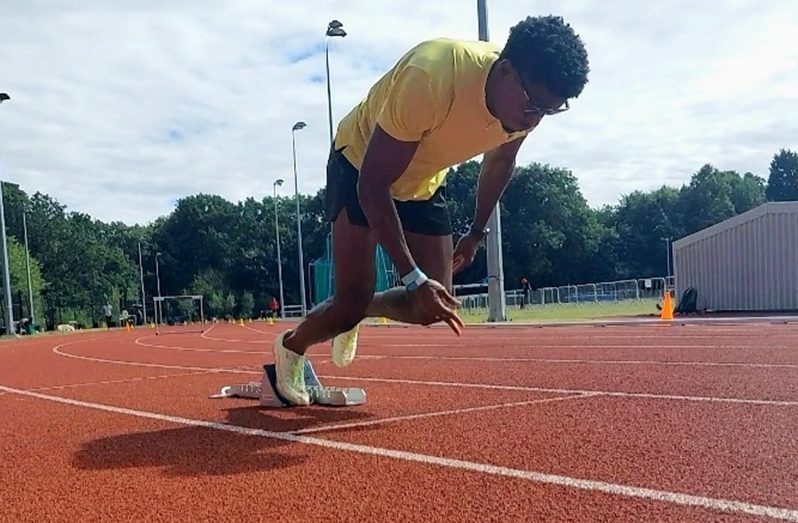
[(490, 89)]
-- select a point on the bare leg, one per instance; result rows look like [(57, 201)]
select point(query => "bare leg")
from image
[(355, 277), (434, 256)]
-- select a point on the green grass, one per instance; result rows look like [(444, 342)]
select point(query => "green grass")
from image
[(571, 312)]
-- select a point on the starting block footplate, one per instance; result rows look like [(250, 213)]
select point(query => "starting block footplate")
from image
[(266, 391)]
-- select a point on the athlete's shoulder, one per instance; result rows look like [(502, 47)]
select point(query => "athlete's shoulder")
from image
[(444, 46), (442, 54)]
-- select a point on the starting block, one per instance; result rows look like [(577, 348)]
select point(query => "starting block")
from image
[(266, 391)]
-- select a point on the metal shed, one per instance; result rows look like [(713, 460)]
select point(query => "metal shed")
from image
[(746, 263)]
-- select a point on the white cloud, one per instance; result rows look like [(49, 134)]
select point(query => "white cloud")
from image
[(118, 108)]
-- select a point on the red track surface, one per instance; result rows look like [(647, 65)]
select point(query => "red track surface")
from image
[(625, 423)]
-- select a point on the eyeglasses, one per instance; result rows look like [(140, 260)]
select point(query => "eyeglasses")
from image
[(532, 108)]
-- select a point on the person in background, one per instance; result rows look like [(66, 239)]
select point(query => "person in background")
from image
[(525, 291), (275, 308), (108, 312)]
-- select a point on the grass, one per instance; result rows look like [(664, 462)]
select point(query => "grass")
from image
[(570, 312)]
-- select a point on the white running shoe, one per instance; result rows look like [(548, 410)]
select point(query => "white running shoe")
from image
[(290, 369), (344, 347)]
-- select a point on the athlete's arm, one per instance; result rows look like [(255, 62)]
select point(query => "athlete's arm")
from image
[(384, 162), (497, 169)]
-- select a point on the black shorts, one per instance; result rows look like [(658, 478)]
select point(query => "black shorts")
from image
[(428, 217)]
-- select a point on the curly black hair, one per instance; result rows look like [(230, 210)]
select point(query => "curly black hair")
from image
[(546, 50)]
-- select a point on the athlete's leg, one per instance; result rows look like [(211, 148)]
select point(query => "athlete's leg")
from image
[(434, 256), (355, 275)]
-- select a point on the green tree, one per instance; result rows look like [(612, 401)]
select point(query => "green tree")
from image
[(246, 304), (461, 190), (549, 233), (642, 222), (707, 200), (17, 268), (748, 191), (783, 181)]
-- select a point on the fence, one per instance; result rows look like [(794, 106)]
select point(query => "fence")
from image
[(322, 278), (475, 297)]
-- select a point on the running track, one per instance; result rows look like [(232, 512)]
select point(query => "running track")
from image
[(663, 422)]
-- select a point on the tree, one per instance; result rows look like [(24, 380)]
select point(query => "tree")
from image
[(642, 222), (461, 190), (783, 181), (17, 268), (748, 191), (707, 200), (246, 304), (549, 233)]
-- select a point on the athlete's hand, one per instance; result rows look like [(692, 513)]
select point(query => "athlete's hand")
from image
[(437, 303), (464, 252)]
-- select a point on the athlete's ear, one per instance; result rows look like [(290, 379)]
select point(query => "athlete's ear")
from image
[(505, 67)]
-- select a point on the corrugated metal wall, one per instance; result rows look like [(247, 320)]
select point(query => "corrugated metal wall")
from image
[(750, 265)]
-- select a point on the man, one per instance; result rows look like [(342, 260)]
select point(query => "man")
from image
[(443, 103), (275, 308), (525, 288), (107, 313)]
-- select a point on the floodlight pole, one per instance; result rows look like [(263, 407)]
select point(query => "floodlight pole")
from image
[(27, 265), (6, 274), (298, 126), (334, 28), (143, 296), (498, 308), (158, 310), (277, 183)]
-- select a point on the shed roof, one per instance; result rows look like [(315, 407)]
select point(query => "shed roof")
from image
[(753, 214)]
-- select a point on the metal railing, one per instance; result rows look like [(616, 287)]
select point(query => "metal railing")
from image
[(601, 292)]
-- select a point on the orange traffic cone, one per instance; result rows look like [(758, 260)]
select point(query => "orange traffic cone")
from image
[(667, 307)]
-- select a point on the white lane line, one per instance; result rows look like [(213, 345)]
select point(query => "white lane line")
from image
[(778, 403), (204, 335), (245, 341), (580, 361), (139, 342), (370, 337), (57, 350), (126, 380), (380, 421), (677, 498), (549, 336), (589, 344)]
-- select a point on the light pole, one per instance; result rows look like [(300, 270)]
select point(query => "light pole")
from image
[(27, 265), (334, 28), (667, 240), (143, 296), (6, 274), (498, 308), (297, 127), (159, 308), (278, 183)]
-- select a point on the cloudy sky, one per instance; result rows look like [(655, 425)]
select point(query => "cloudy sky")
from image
[(119, 108)]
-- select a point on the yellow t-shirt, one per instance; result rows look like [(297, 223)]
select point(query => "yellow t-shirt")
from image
[(435, 94)]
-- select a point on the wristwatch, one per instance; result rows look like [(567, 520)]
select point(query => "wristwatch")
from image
[(479, 234), (414, 279)]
